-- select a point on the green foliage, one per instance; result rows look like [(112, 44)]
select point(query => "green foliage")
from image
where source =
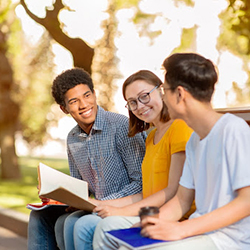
[(121, 4), (15, 39), (32, 66), (35, 82), (241, 96), (144, 20), (235, 37), (5, 6), (237, 19), (15, 195), (229, 39), (188, 40), (188, 2)]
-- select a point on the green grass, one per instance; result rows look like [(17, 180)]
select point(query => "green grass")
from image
[(16, 194)]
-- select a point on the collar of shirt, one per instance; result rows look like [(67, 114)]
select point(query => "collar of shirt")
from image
[(97, 126)]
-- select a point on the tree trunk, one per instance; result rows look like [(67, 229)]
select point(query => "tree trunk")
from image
[(82, 53), (9, 111), (104, 66), (9, 166)]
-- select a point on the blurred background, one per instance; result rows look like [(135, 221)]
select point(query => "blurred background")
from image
[(111, 39)]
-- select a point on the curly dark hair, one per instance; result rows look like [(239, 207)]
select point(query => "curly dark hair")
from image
[(68, 80), (136, 125)]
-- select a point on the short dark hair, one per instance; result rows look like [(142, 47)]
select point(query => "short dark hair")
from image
[(136, 125), (193, 72), (68, 80)]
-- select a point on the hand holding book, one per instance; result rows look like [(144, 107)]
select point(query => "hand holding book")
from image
[(132, 238), (63, 188)]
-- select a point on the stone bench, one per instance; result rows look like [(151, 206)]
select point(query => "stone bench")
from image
[(243, 112), (14, 221)]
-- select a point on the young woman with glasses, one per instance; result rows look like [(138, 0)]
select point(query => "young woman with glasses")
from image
[(164, 158)]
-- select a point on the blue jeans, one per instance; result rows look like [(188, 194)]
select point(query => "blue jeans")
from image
[(41, 228), (199, 242), (101, 241), (77, 230)]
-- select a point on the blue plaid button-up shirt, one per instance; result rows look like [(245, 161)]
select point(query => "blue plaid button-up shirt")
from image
[(107, 158)]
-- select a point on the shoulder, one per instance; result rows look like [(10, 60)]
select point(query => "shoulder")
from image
[(73, 134), (234, 124), (178, 123), (150, 136), (115, 118), (180, 128), (75, 130), (233, 119), (152, 133), (110, 121), (116, 124)]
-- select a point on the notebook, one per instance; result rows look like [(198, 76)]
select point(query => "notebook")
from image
[(132, 239)]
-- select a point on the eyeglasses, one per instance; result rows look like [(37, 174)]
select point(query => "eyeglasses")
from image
[(143, 98), (164, 90)]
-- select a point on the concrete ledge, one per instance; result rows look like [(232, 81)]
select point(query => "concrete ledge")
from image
[(243, 112), (14, 221)]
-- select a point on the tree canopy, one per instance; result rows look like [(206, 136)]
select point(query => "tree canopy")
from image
[(30, 67), (235, 37)]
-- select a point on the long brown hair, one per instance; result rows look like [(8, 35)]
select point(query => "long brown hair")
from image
[(137, 125)]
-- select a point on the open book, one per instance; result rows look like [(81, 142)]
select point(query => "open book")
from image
[(132, 239), (61, 187)]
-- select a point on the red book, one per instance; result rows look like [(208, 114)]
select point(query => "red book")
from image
[(43, 205)]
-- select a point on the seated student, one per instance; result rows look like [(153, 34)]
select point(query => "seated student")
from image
[(99, 152), (165, 152), (216, 169)]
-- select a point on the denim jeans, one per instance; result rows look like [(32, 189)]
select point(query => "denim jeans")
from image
[(59, 231), (200, 242), (101, 241), (41, 228), (77, 230)]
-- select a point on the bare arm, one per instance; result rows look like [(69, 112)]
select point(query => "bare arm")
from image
[(157, 199), (234, 211), (178, 205), (224, 216), (118, 202)]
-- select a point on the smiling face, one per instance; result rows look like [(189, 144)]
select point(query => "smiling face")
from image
[(151, 111), (81, 105)]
